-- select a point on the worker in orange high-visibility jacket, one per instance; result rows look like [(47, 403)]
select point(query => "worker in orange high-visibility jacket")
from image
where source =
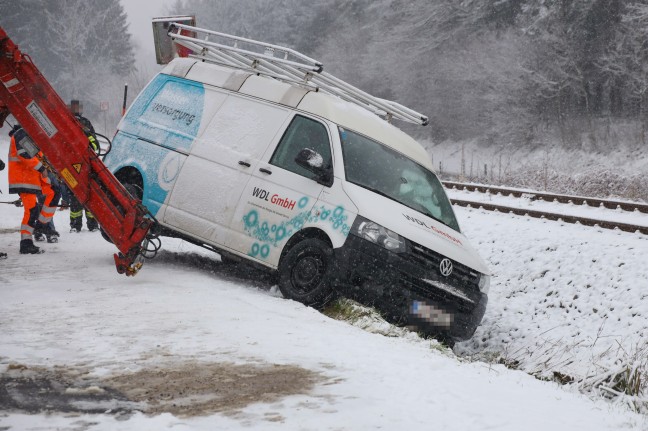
[(28, 178)]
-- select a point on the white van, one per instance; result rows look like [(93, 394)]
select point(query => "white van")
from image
[(330, 195)]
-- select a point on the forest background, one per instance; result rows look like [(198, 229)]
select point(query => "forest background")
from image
[(562, 85)]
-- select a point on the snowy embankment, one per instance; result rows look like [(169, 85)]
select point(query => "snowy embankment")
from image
[(566, 301), (190, 343)]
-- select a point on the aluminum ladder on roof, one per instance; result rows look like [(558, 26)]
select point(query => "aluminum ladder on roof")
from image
[(284, 64)]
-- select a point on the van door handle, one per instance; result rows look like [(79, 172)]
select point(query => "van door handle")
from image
[(266, 171), (246, 164)]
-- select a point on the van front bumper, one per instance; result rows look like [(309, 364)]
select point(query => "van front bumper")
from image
[(409, 289)]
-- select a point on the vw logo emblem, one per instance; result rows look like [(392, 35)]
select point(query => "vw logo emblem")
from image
[(445, 267)]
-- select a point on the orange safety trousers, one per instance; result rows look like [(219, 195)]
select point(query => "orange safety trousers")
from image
[(31, 214)]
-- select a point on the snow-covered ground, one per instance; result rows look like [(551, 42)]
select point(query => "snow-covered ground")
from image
[(578, 292), (191, 343)]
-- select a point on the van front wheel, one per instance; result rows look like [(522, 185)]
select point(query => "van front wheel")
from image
[(305, 273)]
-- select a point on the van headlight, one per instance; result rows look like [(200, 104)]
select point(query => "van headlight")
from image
[(372, 231), (484, 283)]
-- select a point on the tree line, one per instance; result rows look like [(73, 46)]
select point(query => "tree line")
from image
[(493, 70), (82, 47), (489, 69)]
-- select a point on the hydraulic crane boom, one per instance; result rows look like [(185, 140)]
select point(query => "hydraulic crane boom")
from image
[(28, 96)]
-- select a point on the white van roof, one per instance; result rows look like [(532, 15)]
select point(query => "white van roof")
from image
[(335, 109)]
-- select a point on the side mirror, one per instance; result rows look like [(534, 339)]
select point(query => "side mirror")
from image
[(314, 162)]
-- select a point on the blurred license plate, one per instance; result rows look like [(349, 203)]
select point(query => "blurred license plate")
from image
[(431, 313)]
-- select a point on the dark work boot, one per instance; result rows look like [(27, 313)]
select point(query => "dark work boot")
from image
[(53, 237), (3, 255), (75, 225), (38, 236), (44, 228), (27, 247)]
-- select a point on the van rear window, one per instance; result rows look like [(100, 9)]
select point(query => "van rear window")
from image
[(168, 112), (175, 107)]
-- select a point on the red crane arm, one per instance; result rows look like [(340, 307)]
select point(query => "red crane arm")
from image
[(28, 96)]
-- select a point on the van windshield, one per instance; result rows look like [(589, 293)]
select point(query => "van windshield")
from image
[(389, 173)]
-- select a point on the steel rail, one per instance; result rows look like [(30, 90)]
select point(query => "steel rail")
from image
[(605, 224), (550, 197)]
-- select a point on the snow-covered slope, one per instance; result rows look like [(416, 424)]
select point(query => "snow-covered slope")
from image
[(565, 298)]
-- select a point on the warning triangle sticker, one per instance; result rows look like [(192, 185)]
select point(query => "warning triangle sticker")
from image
[(77, 167)]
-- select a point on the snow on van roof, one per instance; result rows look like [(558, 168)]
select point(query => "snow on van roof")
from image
[(348, 115)]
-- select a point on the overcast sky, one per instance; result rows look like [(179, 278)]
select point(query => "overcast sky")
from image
[(140, 14)]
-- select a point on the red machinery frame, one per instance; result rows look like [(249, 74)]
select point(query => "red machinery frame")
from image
[(28, 96)]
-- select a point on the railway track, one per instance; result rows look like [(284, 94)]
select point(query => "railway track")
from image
[(551, 197)]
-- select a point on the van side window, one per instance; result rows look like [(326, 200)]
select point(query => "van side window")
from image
[(302, 133)]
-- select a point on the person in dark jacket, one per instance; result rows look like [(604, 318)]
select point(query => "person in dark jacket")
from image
[(76, 209)]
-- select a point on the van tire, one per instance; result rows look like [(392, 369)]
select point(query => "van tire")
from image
[(306, 273), (104, 235), (134, 190)]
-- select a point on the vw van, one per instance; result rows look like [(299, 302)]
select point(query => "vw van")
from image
[(332, 197)]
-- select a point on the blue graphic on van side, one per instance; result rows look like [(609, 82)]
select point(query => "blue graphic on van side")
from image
[(268, 234), (168, 113)]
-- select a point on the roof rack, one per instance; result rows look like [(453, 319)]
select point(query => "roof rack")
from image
[(284, 64)]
